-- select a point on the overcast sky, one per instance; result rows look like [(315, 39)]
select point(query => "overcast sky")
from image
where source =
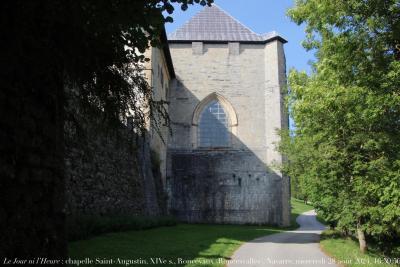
[(261, 16)]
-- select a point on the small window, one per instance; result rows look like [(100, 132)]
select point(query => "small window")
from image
[(161, 74), (213, 130)]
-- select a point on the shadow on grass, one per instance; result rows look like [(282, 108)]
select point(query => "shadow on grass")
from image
[(215, 243), (195, 244)]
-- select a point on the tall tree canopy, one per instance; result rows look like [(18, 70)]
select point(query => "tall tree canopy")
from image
[(97, 45), (344, 152), (48, 46)]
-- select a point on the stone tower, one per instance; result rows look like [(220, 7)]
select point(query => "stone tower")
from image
[(226, 106)]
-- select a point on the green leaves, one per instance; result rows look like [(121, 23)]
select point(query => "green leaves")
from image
[(344, 152), (184, 7), (96, 45)]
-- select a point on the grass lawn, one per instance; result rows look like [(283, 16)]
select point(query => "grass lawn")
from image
[(200, 244), (209, 245), (346, 252)]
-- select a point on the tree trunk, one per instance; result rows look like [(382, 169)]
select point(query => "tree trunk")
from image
[(361, 238)]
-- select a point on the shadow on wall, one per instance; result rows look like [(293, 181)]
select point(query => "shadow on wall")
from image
[(217, 184), (108, 168)]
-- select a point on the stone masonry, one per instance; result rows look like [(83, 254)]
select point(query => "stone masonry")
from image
[(246, 73), (111, 170)]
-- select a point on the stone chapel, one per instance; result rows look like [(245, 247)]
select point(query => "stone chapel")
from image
[(224, 89), (226, 104)]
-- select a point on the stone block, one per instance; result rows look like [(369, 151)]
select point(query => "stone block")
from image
[(234, 48), (197, 48)]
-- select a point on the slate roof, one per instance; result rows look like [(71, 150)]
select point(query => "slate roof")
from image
[(215, 25)]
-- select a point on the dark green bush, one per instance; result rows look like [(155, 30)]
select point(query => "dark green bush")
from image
[(85, 226)]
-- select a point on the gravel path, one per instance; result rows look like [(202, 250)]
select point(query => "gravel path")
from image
[(292, 248)]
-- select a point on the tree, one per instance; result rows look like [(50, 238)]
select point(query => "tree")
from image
[(47, 46), (346, 144)]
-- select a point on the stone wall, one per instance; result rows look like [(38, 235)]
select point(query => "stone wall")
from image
[(239, 78), (251, 78), (224, 187), (108, 168), (159, 78)]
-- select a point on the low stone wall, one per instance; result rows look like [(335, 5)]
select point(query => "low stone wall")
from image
[(229, 186)]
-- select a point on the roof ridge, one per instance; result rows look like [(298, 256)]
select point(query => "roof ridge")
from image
[(186, 22), (232, 17), (215, 24)]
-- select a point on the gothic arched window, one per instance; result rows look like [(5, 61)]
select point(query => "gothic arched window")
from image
[(214, 123), (213, 128)]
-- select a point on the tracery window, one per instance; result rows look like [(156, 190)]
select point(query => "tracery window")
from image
[(213, 127)]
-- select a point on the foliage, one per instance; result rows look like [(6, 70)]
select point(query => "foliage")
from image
[(96, 46), (205, 245), (344, 153), (85, 226), (48, 46)]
